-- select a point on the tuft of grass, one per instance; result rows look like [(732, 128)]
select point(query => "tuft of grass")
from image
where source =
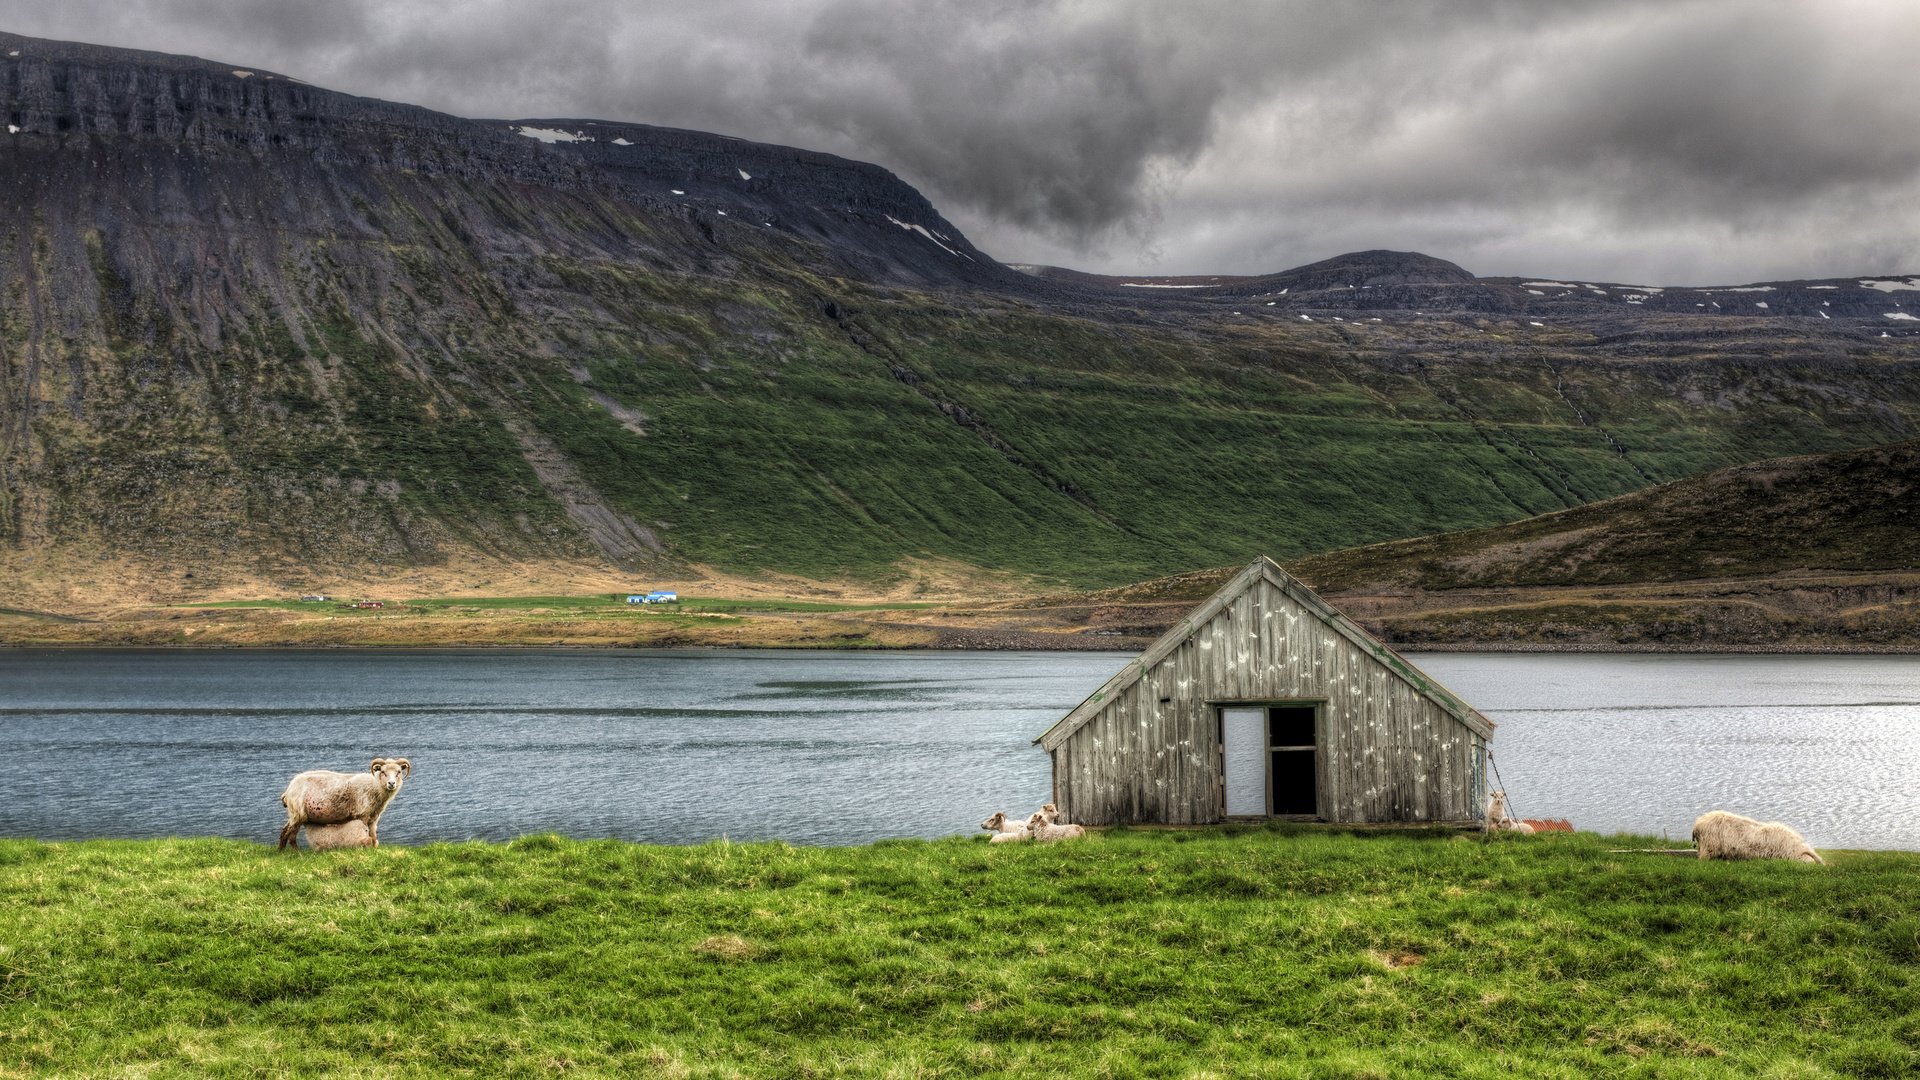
[(1283, 951)]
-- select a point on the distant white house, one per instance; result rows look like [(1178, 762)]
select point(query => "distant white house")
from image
[(657, 597)]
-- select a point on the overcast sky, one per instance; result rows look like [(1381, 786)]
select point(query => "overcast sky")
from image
[(1657, 142)]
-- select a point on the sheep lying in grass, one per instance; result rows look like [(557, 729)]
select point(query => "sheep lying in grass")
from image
[(347, 834), (1008, 830), (1500, 819), (324, 797), (1043, 828), (1720, 835), (1000, 825)]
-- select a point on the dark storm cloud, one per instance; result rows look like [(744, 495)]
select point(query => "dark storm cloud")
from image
[(1669, 139)]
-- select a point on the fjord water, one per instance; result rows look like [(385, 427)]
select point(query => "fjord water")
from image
[(685, 746)]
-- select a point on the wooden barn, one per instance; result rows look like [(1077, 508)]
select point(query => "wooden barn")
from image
[(1266, 702)]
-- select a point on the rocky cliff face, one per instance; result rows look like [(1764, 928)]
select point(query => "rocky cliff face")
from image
[(249, 322), (233, 296), (71, 98)]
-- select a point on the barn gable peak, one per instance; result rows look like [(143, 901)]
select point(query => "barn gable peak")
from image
[(1265, 569)]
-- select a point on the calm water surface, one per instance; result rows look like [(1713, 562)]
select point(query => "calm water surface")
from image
[(1829, 744), (684, 746)]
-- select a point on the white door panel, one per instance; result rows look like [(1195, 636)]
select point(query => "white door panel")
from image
[(1243, 734)]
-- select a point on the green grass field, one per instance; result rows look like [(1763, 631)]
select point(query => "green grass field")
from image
[(600, 603), (1277, 952)]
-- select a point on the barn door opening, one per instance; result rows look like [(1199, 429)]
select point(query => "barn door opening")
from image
[(1295, 779), (1269, 759)]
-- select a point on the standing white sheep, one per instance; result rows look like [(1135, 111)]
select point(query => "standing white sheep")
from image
[(1720, 835), (324, 797)]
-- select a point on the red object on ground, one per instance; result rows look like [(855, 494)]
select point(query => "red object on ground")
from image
[(1541, 825)]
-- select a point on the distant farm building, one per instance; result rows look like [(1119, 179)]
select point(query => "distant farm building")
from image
[(657, 597), (1266, 702)]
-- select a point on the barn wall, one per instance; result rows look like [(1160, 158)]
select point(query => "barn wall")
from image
[(1387, 752)]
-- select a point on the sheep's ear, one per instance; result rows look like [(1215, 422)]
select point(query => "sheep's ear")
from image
[(377, 762), (406, 767)]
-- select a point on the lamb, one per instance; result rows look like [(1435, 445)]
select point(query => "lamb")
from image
[(1500, 819), (1720, 835), (1043, 829), (323, 797), (348, 834)]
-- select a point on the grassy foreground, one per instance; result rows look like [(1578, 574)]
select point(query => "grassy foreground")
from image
[(1279, 952)]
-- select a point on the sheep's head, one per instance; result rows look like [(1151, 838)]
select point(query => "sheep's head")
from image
[(391, 772), (1497, 805), (1038, 819), (993, 823), (1052, 812)]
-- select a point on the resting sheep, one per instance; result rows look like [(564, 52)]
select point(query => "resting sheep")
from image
[(1008, 830), (1001, 825), (323, 797), (1498, 818), (1720, 835), (1044, 829)]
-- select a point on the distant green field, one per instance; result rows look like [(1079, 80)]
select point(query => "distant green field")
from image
[(1272, 952), (598, 603)]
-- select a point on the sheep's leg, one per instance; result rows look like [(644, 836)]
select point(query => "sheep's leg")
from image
[(287, 834)]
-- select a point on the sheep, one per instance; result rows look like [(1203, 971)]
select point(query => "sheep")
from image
[(1002, 825), (1043, 829), (348, 834), (323, 797), (1720, 835), (1499, 819), (1007, 830)]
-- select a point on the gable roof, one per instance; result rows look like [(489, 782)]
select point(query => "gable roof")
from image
[(1265, 569)]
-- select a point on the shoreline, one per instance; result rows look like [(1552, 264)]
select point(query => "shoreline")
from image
[(1119, 646)]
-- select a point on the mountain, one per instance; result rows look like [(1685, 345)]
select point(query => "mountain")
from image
[(1844, 512), (1407, 281), (256, 331), (1812, 553), (1802, 553)]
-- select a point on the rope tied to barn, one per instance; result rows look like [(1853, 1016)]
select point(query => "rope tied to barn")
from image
[(1500, 780)]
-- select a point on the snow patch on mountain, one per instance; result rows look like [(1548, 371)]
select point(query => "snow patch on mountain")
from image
[(551, 135)]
